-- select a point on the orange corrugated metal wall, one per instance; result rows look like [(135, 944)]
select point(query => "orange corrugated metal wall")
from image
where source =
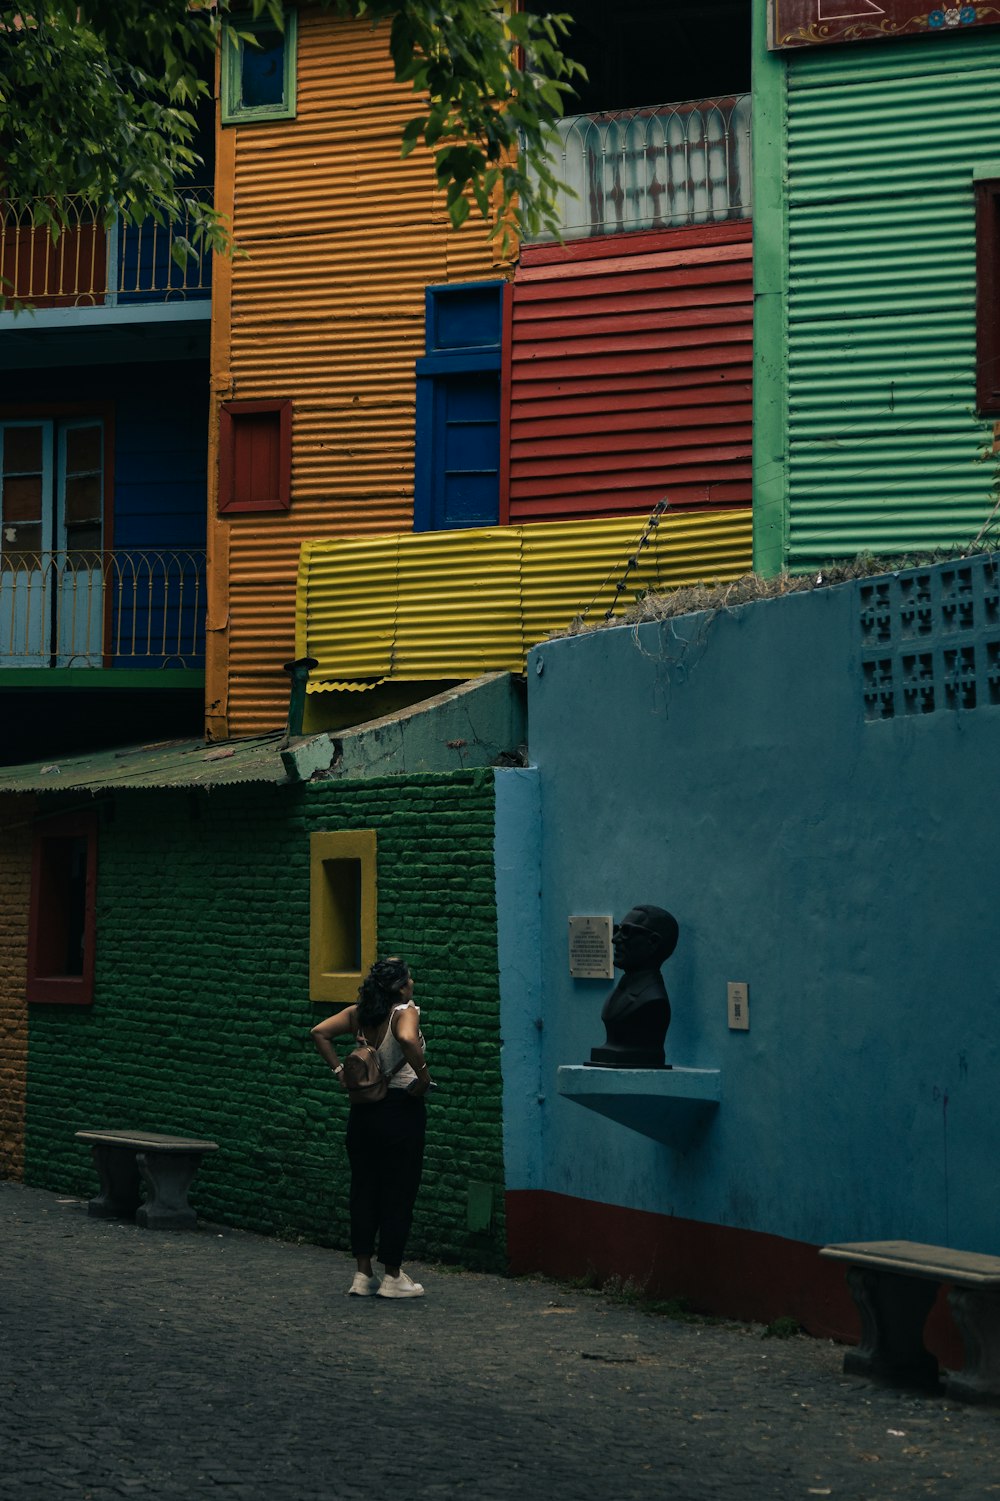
[(630, 368), (327, 308)]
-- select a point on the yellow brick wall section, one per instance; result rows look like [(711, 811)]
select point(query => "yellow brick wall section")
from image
[(15, 881)]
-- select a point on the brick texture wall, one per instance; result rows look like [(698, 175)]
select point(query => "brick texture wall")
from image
[(15, 879), (202, 1013)]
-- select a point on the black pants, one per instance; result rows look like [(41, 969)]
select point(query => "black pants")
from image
[(385, 1147)]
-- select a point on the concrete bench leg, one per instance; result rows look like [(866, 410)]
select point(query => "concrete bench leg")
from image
[(167, 1176), (118, 1176), (893, 1310), (977, 1314)]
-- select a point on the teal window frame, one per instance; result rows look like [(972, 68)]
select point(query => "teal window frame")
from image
[(234, 111)]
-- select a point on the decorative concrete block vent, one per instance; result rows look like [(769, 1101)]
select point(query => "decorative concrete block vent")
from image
[(930, 639)]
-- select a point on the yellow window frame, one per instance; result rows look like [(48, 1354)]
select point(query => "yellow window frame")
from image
[(343, 912)]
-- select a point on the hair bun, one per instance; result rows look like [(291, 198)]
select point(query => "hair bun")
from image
[(380, 988)]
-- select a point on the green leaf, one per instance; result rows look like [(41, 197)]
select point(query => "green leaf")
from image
[(99, 100), (458, 212)]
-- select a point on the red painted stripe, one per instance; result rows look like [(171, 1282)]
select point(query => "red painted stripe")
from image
[(641, 499), (693, 356), (699, 281), (547, 488), (696, 264), (599, 247), (656, 443), (652, 308), (681, 353), (726, 449), (585, 415), (669, 385), (741, 1274), (636, 330)]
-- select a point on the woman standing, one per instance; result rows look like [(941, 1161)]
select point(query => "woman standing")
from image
[(385, 1141)]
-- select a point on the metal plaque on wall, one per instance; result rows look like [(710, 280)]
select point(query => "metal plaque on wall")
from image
[(811, 23), (590, 948)]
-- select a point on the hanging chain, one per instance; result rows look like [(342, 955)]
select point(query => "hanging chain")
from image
[(655, 516)]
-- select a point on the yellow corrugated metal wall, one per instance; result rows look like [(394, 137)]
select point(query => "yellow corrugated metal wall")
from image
[(441, 605), (327, 308)]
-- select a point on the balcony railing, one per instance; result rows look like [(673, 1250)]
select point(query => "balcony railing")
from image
[(664, 167), (88, 266), (102, 609)]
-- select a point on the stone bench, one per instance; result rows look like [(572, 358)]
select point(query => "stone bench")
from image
[(166, 1164), (894, 1284)]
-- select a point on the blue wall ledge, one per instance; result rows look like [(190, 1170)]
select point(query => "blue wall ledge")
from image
[(665, 1104)]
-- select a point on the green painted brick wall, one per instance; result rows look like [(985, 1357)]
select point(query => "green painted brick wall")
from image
[(201, 1017)]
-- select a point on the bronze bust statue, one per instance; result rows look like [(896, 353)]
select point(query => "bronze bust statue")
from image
[(636, 1014)]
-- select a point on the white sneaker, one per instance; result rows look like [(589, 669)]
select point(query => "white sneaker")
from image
[(363, 1287), (399, 1287)]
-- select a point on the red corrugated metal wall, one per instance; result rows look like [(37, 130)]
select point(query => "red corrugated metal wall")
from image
[(628, 375)]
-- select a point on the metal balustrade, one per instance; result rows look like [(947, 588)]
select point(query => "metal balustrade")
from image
[(89, 266), (124, 608), (663, 167)]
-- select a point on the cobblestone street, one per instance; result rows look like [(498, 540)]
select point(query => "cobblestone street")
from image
[(223, 1364)]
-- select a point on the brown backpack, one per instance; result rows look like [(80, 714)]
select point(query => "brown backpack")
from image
[(364, 1078)]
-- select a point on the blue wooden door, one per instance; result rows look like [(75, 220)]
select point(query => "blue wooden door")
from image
[(465, 487), (457, 479)]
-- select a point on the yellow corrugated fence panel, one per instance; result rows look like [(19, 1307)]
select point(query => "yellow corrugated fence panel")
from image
[(351, 608), (573, 566), (437, 605), (441, 605), (459, 604)]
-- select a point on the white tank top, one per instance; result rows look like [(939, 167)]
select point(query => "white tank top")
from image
[(390, 1053)]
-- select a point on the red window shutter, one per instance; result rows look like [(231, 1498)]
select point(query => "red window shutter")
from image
[(61, 918), (988, 296), (255, 456)]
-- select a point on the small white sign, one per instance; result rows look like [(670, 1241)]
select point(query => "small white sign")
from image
[(739, 1005), (590, 948)]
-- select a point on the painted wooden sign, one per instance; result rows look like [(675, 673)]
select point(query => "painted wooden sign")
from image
[(811, 23)]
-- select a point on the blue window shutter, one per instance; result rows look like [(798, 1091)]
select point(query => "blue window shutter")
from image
[(457, 475)]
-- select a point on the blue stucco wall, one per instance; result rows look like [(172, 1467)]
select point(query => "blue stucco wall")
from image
[(161, 459), (160, 440), (517, 852), (724, 767), (159, 412)]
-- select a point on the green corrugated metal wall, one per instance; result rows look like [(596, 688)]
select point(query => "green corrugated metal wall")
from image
[(885, 451)]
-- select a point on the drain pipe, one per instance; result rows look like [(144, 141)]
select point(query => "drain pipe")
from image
[(298, 672)]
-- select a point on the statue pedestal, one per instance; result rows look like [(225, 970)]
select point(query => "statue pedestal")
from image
[(668, 1104), (623, 1058)]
